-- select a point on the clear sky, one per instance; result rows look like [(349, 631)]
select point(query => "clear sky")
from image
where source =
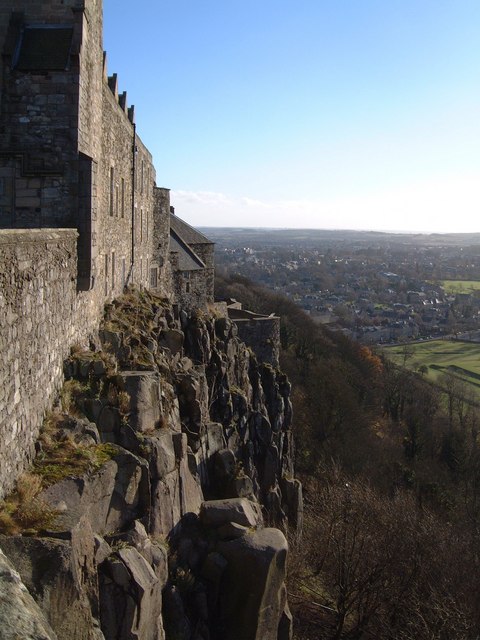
[(355, 114)]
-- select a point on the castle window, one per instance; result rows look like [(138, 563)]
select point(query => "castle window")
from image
[(112, 189), (154, 277), (141, 225), (123, 197), (44, 48), (141, 185), (116, 199), (113, 269), (186, 280)]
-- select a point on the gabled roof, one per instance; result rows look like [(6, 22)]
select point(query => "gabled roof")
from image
[(187, 233), (187, 258)]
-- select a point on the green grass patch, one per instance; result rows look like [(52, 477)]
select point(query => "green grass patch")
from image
[(462, 359), (453, 287)]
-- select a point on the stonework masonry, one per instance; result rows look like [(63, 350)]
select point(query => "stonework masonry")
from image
[(41, 317), (260, 333), (70, 155), (81, 216)]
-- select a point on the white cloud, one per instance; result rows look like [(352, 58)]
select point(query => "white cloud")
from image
[(441, 205)]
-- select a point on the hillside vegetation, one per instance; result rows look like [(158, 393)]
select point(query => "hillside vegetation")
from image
[(391, 470)]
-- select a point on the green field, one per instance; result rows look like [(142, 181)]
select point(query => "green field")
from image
[(460, 286), (441, 356)]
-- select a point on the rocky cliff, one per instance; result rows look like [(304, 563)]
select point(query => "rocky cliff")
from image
[(162, 490)]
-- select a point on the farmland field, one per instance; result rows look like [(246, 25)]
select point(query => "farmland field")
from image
[(460, 286), (441, 356)]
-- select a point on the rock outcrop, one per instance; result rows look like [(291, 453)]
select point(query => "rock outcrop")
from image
[(188, 447)]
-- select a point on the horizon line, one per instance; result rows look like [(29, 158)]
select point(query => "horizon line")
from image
[(338, 230)]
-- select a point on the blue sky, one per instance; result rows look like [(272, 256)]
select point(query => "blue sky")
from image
[(358, 114)]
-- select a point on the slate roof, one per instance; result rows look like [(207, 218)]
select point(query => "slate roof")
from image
[(187, 233), (187, 258)]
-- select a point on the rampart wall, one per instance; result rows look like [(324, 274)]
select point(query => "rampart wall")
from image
[(41, 317), (262, 335)]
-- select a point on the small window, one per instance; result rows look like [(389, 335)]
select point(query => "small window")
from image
[(154, 277), (44, 48), (141, 225), (123, 197), (112, 190)]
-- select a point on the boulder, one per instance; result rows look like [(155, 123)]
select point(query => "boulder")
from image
[(253, 595), (154, 553), (232, 530), (20, 616), (172, 339), (241, 487), (224, 465), (165, 512), (191, 495), (143, 387), (62, 578), (177, 494), (216, 513), (131, 598), (110, 498), (162, 454)]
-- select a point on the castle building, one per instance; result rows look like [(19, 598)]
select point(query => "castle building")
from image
[(81, 216), (70, 157)]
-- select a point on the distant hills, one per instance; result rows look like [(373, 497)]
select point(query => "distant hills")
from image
[(314, 236)]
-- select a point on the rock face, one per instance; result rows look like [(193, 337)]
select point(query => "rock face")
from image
[(20, 616), (165, 538), (253, 594)]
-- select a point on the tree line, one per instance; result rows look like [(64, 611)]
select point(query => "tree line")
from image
[(391, 470)]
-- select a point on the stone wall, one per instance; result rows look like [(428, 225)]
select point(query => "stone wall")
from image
[(161, 281), (191, 288), (262, 335), (38, 125), (38, 323)]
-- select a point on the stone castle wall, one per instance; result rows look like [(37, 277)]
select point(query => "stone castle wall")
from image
[(78, 185), (161, 280), (125, 215), (41, 317), (262, 335)]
